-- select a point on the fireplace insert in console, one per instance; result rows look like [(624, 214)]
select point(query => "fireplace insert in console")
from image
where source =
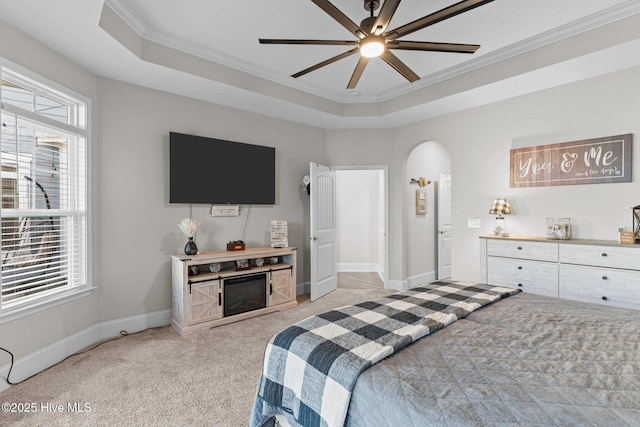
[(245, 293)]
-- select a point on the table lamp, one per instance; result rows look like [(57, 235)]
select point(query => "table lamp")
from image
[(500, 207)]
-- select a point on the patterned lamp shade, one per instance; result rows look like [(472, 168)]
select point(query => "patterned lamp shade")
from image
[(501, 207)]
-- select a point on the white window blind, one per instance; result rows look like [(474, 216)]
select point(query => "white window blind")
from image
[(44, 195)]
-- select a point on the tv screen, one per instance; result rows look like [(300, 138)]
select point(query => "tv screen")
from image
[(214, 171)]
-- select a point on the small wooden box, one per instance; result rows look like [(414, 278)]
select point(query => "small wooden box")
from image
[(627, 238), (235, 246)]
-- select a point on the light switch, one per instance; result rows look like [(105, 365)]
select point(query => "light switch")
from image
[(473, 223)]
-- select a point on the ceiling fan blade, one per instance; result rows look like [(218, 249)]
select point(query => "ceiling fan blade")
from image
[(312, 42), (399, 66), (360, 66), (441, 15), (327, 62), (384, 17), (433, 47), (342, 19)]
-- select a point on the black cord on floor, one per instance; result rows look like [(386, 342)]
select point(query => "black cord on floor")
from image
[(123, 334)]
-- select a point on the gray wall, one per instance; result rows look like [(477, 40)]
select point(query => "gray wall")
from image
[(134, 228), (427, 160), (31, 333), (479, 141), (138, 227)]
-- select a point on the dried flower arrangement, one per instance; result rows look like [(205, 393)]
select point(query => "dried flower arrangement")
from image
[(189, 226)]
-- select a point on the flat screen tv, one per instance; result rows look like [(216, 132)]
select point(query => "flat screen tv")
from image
[(214, 171)]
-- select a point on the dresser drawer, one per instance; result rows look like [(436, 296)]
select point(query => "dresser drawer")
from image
[(601, 256), (600, 285), (531, 276), (540, 251)]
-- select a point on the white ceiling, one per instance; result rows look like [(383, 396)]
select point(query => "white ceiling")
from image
[(208, 49)]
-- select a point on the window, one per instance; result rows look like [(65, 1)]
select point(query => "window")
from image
[(43, 156)]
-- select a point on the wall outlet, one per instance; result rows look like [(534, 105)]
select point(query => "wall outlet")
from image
[(225, 210), (473, 223)]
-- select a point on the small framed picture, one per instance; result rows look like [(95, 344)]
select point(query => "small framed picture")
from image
[(242, 264), (421, 202)]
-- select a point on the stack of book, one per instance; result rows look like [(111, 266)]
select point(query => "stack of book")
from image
[(279, 234)]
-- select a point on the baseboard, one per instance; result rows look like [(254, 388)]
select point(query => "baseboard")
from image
[(398, 285), (421, 279), (48, 356), (347, 266), (412, 282), (134, 324), (303, 288)]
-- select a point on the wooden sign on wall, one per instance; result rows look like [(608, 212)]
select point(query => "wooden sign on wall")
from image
[(592, 161)]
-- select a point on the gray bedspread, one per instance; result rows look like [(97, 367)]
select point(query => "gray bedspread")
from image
[(529, 360)]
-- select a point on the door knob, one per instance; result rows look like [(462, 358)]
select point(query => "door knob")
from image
[(315, 238)]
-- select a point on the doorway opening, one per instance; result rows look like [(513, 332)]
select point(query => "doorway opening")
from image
[(359, 235), (361, 219)]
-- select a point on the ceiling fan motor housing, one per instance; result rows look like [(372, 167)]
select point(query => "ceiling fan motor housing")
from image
[(367, 24)]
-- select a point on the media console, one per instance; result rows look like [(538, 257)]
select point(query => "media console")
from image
[(215, 288)]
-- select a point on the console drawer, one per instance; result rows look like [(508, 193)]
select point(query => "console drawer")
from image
[(540, 251), (536, 277), (601, 256), (600, 285)]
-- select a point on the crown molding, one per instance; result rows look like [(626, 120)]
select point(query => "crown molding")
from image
[(613, 14), (608, 16), (145, 32), (132, 19)]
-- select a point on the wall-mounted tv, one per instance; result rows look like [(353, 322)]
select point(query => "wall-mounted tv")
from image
[(214, 171)]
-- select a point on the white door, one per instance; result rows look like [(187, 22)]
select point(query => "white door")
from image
[(444, 226), (324, 256)]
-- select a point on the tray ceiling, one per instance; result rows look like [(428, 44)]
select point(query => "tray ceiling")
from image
[(209, 50)]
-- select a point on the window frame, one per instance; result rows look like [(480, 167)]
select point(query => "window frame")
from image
[(80, 111)]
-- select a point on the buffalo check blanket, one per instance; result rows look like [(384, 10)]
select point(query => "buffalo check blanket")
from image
[(310, 368)]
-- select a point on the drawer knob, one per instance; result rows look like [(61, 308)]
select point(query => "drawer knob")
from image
[(604, 277), (519, 285), (604, 298), (604, 254), (519, 248), (519, 267)]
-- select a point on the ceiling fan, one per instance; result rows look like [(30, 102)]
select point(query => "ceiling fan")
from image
[(374, 40)]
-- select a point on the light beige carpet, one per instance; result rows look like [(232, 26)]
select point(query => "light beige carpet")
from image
[(157, 378)]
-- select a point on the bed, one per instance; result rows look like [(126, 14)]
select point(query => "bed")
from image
[(521, 360)]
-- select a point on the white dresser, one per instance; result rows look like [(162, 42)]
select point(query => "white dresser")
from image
[(599, 271)]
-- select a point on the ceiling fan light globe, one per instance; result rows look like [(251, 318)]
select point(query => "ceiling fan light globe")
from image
[(371, 47)]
